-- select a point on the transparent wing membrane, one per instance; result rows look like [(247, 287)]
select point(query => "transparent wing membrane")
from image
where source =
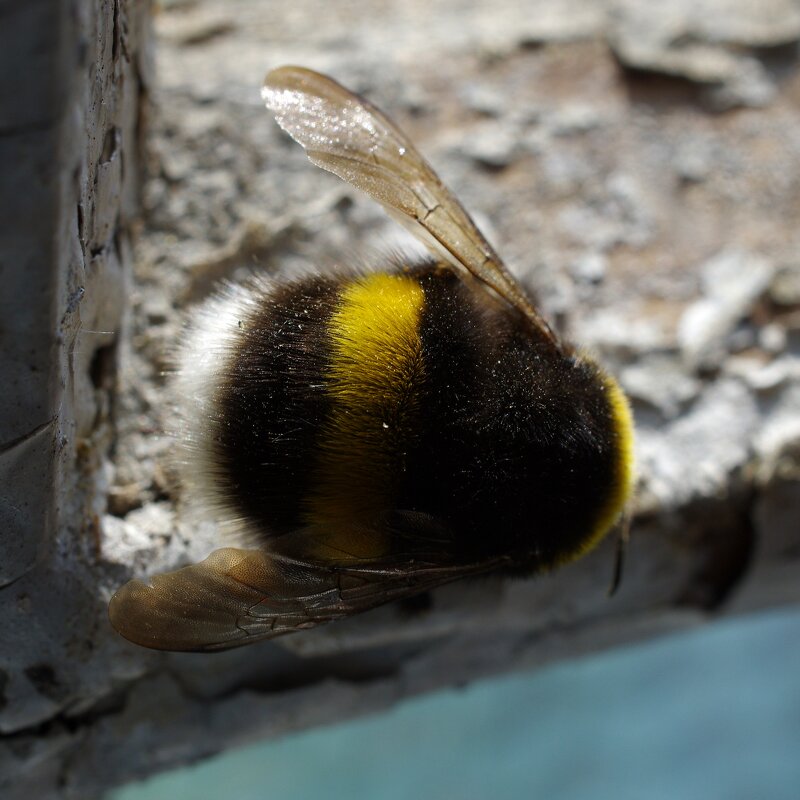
[(345, 134), (236, 597)]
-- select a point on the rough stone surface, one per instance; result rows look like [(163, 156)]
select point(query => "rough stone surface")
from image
[(649, 204), (724, 45), (69, 145)]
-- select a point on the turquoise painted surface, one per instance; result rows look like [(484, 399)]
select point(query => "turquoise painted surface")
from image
[(710, 714)]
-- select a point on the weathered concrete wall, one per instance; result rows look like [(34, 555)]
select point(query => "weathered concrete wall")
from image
[(637, 167), (70, 99)]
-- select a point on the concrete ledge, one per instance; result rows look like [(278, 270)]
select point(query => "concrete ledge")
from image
[(649, 203)]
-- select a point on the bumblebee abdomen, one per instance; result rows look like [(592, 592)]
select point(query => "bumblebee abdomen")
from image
[(373, 379), (314, 401), (342, 401), (269, 402), (520, 449)]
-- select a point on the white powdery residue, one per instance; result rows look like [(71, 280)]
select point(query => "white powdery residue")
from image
[(133, 540), (732, 281), (782, 428), (694, 456)]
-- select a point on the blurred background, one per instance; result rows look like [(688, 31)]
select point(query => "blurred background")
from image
[(711, 714), (638, 167)]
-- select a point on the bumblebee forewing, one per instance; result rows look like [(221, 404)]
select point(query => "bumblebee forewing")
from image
[(236, 597), (345, 134), (212, 605)]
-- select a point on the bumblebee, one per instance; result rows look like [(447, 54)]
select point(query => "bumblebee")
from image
[(372, 435)]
